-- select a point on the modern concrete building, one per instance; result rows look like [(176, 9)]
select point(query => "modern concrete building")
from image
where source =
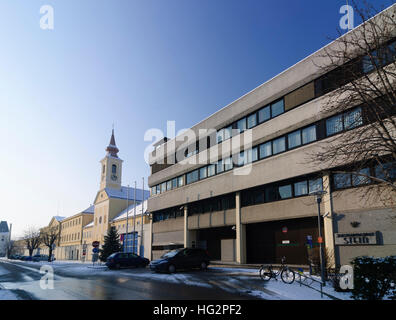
[(4, 238), (254, 204)]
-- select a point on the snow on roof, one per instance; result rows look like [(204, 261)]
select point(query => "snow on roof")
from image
[(4, 226), (59, 218), (89, 225), (89, 210), (131, 210), (124, 194)]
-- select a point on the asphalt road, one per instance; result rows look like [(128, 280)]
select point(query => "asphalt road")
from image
[(23, 279)]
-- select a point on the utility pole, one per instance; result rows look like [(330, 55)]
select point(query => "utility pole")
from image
[(126, 235), (141, 230), (134, 217)]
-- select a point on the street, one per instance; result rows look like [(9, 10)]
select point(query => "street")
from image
[(23, 279)]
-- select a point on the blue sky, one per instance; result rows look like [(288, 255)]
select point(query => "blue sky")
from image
[(134, 63)]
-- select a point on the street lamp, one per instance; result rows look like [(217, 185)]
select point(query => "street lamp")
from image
[(319, 195)]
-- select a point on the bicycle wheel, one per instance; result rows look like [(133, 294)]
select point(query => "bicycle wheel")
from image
[(265, 273), (288, 276)]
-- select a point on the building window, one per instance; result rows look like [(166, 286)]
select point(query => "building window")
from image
[(163, 187), (279, 145), (203, 173), (285, 192), (342, 180), (315, 185), (228, 165), (180, 181), (300, 188), (353, 119), (309, 134), (169, 185), (294, 139), (211, 170), (174, 183), (358, 180), (220, 136), (252, 155), (114, 169), (227, 132), (277, 108), (153, 190), (103, 168), (271, 194), (158, 189), (241, 125), (265, 150), (386, 171), (334, 125), (220, 166), (264, 114), (192, 177), (241, 159), (100, 220), (252, 121)]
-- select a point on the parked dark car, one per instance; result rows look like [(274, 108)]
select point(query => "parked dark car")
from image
[(26, 258), (41, 257), (123, 260), (185, 258)]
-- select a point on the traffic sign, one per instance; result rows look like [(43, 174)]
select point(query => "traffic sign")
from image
[(95, 244), (95, 250)]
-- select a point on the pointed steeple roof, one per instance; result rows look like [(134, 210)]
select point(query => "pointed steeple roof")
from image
[(112, 147)]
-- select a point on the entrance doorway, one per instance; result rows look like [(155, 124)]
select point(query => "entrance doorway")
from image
[(268, 242)]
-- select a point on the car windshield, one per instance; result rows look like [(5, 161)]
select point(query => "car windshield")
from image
[(112, 255), (171, 254)]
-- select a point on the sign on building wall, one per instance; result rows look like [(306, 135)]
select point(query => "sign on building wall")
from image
[(355, 239)]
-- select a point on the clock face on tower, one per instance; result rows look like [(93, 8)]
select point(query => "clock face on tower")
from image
[(113, 177)]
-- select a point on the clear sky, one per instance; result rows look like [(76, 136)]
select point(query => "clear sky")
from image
[(136, 63)]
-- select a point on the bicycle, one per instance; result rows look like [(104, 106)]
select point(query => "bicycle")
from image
[(287, 275)]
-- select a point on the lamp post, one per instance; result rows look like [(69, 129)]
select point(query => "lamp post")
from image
[(319, 195)]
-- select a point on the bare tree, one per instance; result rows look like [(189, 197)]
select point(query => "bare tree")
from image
[(360, 71), (32, 239), (49, 238)]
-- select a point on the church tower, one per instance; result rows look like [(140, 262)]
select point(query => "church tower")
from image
[(111, 167)]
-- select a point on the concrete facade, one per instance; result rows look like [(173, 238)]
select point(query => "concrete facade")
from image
[(303, 107)]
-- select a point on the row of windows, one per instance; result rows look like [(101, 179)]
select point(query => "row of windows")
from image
[(264, 114), (100, 220), (297, 138), (71, 237), (262, 194), (281, 190), (168, 185), (169, 213), (87, 234), (385, 171), (71, 223), (324, 84)]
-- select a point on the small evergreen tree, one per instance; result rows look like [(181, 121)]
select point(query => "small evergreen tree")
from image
[(111, 244)]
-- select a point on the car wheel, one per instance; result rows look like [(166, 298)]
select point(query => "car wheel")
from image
[(204, 265), (171, 268)]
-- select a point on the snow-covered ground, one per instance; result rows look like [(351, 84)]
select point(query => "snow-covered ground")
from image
[(242, 280)]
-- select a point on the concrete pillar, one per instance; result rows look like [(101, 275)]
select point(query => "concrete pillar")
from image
[(150, 247), (240, 241), (328, 220), (186, 233)]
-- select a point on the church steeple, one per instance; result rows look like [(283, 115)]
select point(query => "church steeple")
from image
[(112, 147), (111, 166)]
